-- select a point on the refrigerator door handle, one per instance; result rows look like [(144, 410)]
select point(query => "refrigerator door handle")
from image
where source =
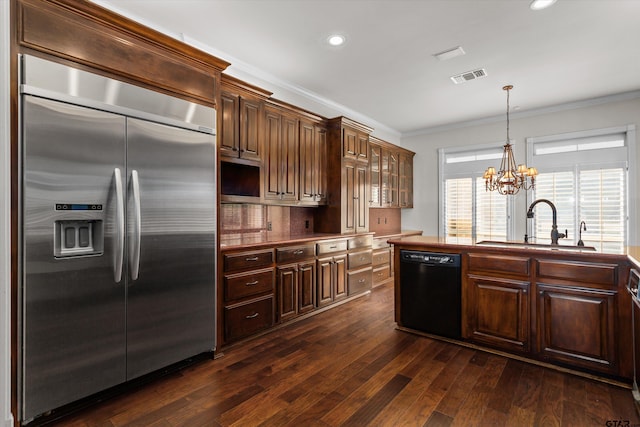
[(135, 242), (118, 253)]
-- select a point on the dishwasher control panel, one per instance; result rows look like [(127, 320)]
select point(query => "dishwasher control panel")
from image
[(452, 260)]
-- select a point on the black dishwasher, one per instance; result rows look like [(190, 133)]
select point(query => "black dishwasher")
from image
[(430, 292)]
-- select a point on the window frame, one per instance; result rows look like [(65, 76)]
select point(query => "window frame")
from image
[(624, 157), (474, 169)]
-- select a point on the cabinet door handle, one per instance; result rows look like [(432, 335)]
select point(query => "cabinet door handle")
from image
[(253, 258), (234, 149), (255, 282), (252, 316)]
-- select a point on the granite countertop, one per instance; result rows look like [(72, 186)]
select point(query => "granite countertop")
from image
[(263, 239), (632, 252)]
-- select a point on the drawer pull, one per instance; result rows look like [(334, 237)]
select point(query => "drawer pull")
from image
[(253, 258), (252, 316), (362, 258), (255, 282), (362, 280), (298, 252), (333, 247)]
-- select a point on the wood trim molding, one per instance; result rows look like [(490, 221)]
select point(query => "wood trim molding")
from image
[(87, 34)]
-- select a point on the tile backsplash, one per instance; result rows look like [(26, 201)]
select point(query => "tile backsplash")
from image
[(247, 218)]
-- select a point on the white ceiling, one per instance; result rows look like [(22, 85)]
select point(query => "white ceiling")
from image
[(386, 74)]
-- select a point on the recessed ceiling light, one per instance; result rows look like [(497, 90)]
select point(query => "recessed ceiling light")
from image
[(336, 40), (541, 4)]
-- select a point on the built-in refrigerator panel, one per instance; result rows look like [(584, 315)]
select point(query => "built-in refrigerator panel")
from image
[(73, 310), (169, 310)]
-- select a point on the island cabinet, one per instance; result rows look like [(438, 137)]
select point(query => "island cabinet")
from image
[(332, 271), (296, 280), (562, 307), (241, 114), (577, 310), (248, 293), (496, 301)]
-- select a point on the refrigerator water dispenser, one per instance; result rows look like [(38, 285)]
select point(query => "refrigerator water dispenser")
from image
[(78, 238)]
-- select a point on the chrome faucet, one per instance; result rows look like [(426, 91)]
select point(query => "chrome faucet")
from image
[(583, 227), (554, 227)]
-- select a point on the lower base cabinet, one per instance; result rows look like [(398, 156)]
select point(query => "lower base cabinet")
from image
[(296, 289), (577, 326), (264, 287), (498, 313), (247, 318), (331, 279)]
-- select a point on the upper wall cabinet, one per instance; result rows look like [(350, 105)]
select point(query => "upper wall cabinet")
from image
[(241, 115), (391, 171), (280, 163), (405, 184), (347, 209), (90, 35), (313, 162)]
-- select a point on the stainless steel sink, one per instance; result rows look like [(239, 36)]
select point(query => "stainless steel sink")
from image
[(534, 246)]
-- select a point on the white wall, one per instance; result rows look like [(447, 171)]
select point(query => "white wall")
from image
[(6, 418), (616, 111)]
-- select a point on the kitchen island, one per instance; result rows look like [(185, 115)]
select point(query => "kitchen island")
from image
[(563, 307)]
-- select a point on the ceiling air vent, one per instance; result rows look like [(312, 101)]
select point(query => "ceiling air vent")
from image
[(469, 75)]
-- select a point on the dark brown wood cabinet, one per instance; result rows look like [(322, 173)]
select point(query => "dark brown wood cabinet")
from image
[(577, 326), (296, 280), (331, 271), (248, 293), (577, 308), (280, 163), (496, 301), (347, 205), (381, 262), (498, 313), (240, 123), (391, 175), (405, 181), (313, 163), (565, 308)]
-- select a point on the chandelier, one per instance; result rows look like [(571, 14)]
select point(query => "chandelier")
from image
[(509, 179)]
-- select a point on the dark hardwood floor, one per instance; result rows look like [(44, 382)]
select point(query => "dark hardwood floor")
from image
[(349, 366)]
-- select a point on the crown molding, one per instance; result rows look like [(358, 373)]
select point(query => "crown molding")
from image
[(527, 113)]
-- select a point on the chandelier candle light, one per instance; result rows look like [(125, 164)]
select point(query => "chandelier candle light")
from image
[(509, 179)]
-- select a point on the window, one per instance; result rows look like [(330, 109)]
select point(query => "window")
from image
[(585, 175), (468, 212)]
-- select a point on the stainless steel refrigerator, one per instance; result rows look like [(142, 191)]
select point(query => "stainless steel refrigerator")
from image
[(118, 233)]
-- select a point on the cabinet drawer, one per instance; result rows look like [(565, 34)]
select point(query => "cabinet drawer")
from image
[(243, 285), (330, 246), (248, 260), (295, 253), (241, 320), (381, 257), (380, 243), (586, 272), (381, 274), (358, 259), (499, 263), (359, 281), (360, 242)]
